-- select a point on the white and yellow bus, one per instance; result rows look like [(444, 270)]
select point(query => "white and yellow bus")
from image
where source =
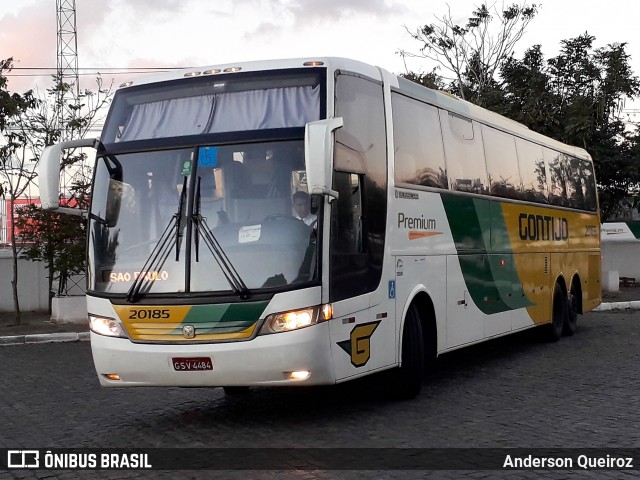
[(426, 224)]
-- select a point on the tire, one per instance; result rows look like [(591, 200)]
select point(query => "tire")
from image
[(407, 379), (236, 390), (558, 314), (571, 318)]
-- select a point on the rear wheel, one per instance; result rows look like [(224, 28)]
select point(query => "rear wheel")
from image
[(571, 319), (555, 328), (408, 377)]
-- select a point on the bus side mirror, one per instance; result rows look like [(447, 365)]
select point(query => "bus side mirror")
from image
[(49, 175), (114, 201), (318, 155)]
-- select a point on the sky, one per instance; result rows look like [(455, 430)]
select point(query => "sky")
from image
[(139, 34)]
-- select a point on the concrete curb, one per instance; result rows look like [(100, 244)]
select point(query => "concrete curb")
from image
[(605, 307), (44, 338)]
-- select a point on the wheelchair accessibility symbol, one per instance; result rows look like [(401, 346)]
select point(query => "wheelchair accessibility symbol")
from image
[(392, 289)]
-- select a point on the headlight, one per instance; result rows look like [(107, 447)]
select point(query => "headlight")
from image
[(108, 327), (295, 319)]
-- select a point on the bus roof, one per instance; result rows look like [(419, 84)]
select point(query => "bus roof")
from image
[(436, 98)]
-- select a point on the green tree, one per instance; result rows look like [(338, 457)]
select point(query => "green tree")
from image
[(578, 98), (60, 115), (16, 172), (57, 239), (474, 52)]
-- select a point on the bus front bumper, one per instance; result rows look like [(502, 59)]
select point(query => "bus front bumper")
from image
[(266, 360)]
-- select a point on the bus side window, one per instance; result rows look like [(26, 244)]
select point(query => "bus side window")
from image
[(464, 154), (558, 176), (532, 171), (347, 227), (590, 195), (360, 176), (419, 152), (502, 163)]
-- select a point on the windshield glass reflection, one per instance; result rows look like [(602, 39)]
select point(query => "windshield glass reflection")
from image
[(240, 200)]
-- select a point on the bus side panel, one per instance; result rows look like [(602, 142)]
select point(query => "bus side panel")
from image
[(363, 336), (465, 321), (549, 244), (422, 273), (534, 271)]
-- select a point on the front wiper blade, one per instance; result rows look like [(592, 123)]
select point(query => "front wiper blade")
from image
[(228, 270), (155, 261), (158, 256), (179, 219), (196, 213)]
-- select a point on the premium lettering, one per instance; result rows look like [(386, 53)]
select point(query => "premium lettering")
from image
[(416, 222)]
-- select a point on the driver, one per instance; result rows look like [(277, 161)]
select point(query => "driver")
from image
[(301, 204)]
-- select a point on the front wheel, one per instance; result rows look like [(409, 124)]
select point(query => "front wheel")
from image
[(408, 377)]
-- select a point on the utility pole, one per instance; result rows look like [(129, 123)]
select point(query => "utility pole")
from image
[(67, 73), (67, 51)]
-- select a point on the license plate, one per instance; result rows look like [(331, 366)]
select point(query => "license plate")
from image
[(192, 364)]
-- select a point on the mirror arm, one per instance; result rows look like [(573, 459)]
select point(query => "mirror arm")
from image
[(78, 212), (333, 194)]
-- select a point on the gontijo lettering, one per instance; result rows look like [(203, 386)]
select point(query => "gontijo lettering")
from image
[(542, 227)]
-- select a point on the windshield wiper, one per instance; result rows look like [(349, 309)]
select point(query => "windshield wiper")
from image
[(228, 270), (158, 256)]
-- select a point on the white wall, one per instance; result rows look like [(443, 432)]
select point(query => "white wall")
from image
[(32, 284), (622, 257)]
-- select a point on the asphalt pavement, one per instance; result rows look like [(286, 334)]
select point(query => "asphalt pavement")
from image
[(37, 327)]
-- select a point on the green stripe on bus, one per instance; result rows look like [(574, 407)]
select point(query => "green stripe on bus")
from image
[(491, 278), (224, 317)]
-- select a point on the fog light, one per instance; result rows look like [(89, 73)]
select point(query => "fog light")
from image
[(300, 375), (112, 376)]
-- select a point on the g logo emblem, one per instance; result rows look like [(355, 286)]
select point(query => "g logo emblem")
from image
[(188, 331), (359, 344)]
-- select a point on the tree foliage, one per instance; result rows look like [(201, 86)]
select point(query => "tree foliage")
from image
[(473, 53), (576, 97), (29, 123), (57, 239), (15, 172)]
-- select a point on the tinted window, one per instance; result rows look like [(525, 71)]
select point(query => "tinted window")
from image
[(559, 170), (590, 195), (532, 171), (358, 220), (466, 169), (502, 163), (581, 188), (419, 154)]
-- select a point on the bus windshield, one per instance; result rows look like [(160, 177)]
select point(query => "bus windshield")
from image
[(179, 220)]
